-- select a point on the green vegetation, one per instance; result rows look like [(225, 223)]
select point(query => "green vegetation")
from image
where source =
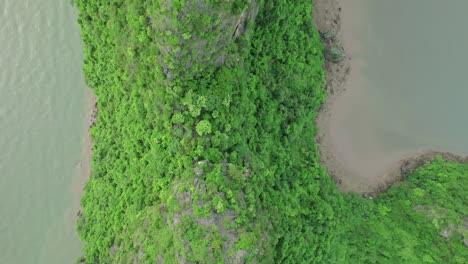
[(203, 146), (408, 223)]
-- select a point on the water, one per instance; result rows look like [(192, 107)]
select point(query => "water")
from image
[(408, 86), (42, 110)]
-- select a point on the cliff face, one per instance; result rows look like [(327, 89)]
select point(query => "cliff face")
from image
[(197, 35)]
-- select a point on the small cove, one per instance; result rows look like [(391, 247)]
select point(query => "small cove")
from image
[(406, 91)]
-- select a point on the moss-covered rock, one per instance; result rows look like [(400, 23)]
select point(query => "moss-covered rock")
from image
[(334, 54)]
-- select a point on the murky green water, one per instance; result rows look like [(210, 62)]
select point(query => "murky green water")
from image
[(408, 88), (42, 100)]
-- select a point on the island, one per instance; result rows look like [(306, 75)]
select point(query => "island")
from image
[(204, 144)]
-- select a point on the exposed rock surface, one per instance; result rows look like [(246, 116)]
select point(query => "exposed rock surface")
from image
[(334, 54), (195, 47)]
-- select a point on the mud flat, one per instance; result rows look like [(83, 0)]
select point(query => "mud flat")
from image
[(358, 159)]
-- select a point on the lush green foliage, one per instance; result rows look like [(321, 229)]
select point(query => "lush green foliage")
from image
[(198, 160), (406, 224), (203, 146)]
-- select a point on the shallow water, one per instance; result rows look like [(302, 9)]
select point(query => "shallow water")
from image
[(408, 86), (42, 108)]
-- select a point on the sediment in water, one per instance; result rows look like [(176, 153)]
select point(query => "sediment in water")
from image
[(328, 18)]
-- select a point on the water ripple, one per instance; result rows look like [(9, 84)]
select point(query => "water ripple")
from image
[(41, 116)]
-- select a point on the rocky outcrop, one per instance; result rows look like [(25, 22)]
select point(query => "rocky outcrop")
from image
[(334, 54), (196, 36)]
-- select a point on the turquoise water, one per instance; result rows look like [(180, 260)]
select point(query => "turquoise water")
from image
[(42, 110)]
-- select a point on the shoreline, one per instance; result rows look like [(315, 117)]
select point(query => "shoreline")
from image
[(84, 165), (328, 18), (87, 146)]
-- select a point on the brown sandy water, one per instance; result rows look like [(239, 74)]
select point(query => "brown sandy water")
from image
[(405, 91)]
